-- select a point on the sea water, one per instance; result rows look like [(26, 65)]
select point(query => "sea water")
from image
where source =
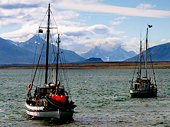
[(101, 95)]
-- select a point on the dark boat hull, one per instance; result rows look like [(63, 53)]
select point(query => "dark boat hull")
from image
[(143, 93)]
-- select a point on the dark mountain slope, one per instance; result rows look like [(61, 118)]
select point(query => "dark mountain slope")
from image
[(70, 56), (158, 53), (12, 54)]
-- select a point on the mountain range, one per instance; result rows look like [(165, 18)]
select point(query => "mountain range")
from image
[(117, 54), (30, 45), (24, 53), (158, 53)]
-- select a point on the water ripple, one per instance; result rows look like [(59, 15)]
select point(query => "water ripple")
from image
[(102, 98)]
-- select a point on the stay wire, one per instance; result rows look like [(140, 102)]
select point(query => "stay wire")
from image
[(43, 18), (135, 69), (54, 20), (65, 74), (152, 65), (38, 62)]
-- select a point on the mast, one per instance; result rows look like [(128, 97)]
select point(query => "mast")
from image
[(47, 48), (146, 52), (140, 57), (58, 42)]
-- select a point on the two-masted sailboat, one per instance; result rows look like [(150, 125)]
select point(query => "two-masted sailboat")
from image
[(50, 100), (143, 86)]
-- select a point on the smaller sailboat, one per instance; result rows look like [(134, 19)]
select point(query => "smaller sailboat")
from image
[(50, 100), (143, 86)]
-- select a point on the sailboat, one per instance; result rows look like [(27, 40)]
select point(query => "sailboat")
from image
[(143, 86), (50, 100)]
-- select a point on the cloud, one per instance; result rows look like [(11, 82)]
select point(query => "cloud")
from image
[(145, 6), (78, 33), (99, 29), (164, 40), (110, 43), (26, 3), (103, 8), (20, 16), (121, 18), (18, 35), (76, 36), (132, 45), (151, 45), (116, 23), (82, 44), (63, 15), (29, 19), (18, 5), (16, 12)]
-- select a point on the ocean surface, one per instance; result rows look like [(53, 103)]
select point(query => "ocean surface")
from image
[(101, 95)]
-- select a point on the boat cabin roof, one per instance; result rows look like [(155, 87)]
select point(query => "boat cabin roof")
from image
[(145, 78), (44, 91)]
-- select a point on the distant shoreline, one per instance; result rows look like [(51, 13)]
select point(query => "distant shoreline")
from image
[(101, 65)]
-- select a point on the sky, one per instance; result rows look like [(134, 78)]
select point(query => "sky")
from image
[(84, 24)]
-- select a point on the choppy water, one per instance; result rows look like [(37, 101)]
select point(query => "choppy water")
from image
[(102, 98)]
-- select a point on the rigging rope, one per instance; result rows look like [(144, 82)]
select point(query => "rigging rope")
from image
[(135, 70), (43, 18), (54, 21), (38, 62), (65, 73), (152, 66), (52, 59)]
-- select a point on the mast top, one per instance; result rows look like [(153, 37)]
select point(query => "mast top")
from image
[(49, 6)]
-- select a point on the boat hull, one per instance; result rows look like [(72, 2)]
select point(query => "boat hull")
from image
[(40, 112), (143, 93)]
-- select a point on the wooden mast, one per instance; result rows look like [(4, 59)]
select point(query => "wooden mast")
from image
[(47, 48), (58, 42), (140, 56), (146, 53)]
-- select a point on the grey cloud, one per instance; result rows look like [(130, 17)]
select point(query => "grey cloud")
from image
[(101, 30), (78, 33), (15, 6)]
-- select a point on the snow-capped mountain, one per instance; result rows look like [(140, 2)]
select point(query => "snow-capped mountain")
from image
[(117, 54), (24, 53)]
